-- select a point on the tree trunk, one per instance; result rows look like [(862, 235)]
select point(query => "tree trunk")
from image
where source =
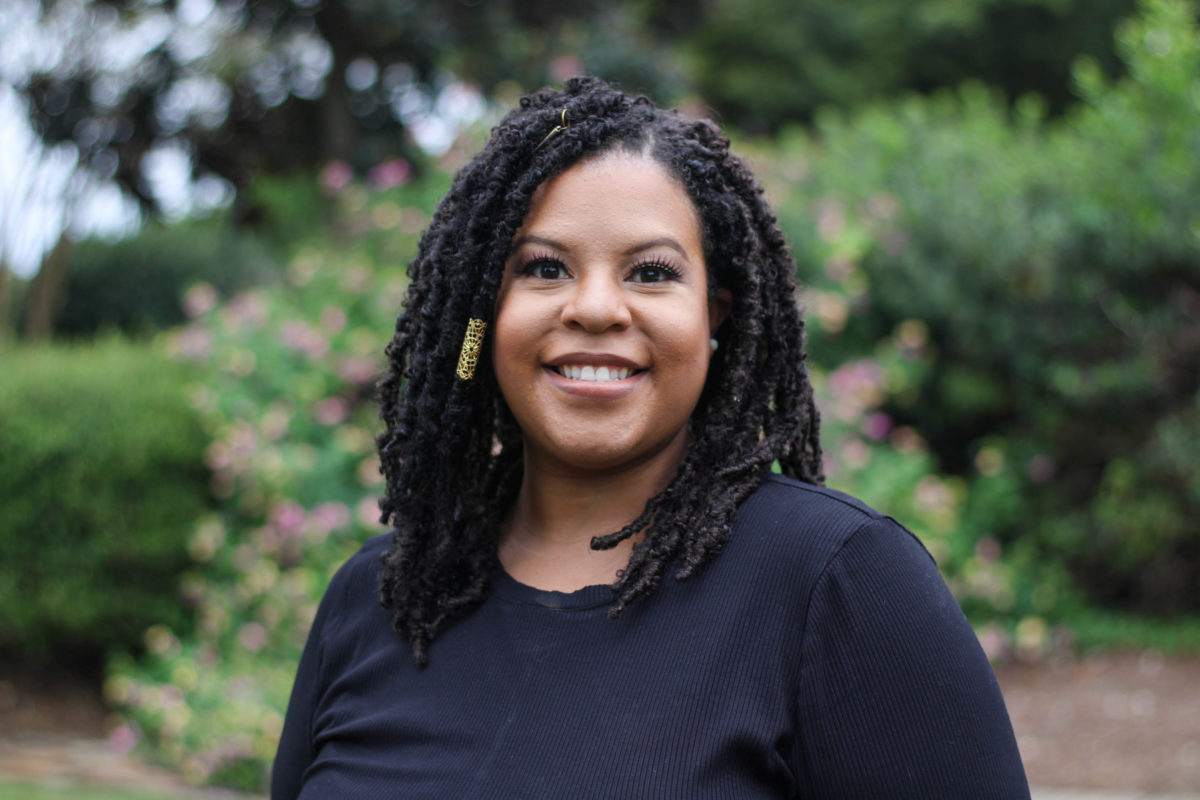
[(338, 129), (6, 301), (48, 291)]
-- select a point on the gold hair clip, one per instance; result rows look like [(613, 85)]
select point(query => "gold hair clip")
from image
[(562, 126), (472, 342)]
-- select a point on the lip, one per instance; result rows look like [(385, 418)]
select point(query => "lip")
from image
[(595, 390)]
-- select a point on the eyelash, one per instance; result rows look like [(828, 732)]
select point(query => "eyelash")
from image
[(670, 272), (537, 260), (530, 267)]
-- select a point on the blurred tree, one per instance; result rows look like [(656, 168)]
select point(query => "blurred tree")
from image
[(272, 86), (232, 90), (764, 63)]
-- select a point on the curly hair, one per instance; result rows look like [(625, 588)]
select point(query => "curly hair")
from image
[(451, 451)]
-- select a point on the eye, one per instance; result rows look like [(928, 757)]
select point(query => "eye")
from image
[(548, 269), (653, 272)]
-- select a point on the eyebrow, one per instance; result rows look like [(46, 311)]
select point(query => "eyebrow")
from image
[(662, 241), (542, 240)]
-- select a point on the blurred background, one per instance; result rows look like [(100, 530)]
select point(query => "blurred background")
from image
[(207, 206)]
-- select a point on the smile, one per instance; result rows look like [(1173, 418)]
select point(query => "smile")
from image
[(593, 374)]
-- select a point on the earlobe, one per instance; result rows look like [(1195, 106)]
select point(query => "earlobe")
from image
[(719, 306)]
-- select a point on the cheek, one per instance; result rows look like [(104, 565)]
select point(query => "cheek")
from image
[(516, 328), (684, 336)]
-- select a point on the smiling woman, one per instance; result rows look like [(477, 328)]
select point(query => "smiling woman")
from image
[(601, 351), (599, 361)]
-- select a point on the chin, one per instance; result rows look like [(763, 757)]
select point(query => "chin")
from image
[(607, 457)]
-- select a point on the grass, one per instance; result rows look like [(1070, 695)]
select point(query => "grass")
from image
[(62, 791), (1108, 630), (59, 790)]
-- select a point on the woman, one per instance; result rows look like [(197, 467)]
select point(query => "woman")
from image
[(600, 360)]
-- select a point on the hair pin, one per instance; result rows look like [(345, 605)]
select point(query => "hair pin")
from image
[(562, 126), (472, 343)]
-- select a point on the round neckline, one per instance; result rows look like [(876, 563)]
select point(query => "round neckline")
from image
[(509, 588)]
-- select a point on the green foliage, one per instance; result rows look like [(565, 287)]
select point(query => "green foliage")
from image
[(57, 789), (285, 380), (293, 85), (1055, 267), (1101, 630), (767, 63), (101, 476), (135, 284)]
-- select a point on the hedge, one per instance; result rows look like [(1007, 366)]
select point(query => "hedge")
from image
[(101, 475)]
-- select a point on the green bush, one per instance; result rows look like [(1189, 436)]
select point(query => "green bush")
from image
[(1055, 266), (287, 376), (134, 285), (101, 475), (767, 63)]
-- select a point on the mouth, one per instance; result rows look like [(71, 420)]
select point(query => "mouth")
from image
[(594, 373)]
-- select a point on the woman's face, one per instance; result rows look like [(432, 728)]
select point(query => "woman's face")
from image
[(601, 340)]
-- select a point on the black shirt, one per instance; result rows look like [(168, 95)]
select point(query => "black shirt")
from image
[(820, 655)]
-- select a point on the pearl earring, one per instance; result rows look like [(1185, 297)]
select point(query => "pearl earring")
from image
[(714, 344)]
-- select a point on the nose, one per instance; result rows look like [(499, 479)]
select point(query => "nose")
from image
[(598, 303)]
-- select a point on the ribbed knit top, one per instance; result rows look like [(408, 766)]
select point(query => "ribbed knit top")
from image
[(820, 655)]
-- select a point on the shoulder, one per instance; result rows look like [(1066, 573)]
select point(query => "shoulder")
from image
[(356, 580), (780, 492), (802, 523)]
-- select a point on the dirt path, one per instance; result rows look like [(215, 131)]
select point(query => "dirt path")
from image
[(1114, 722), (1105, 727)]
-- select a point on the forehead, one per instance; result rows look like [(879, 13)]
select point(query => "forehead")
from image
[(625, 193)]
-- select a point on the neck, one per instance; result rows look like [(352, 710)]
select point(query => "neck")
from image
[(546, 542)]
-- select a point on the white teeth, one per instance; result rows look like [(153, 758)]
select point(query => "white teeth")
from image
[(587, 372)]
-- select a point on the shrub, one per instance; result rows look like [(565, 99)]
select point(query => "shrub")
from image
[(134, 285), (1056, 269), (101, 475), (286, 377)]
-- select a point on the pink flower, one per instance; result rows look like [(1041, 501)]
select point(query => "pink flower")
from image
[(390, 173), (248, 310), (299, 336), (906, 440), (252, 637), (356, 369), (218, 457), (123, 739), (987, 549), (288, 517), (330, 517), (995, 642), (566, 67), (199, 300), (195, 343), (332, 411), (367, 513), (855, 454), (877, 426), (333, 319), (335, 177)]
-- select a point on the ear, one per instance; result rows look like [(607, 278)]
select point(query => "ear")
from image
[(719, 306)]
